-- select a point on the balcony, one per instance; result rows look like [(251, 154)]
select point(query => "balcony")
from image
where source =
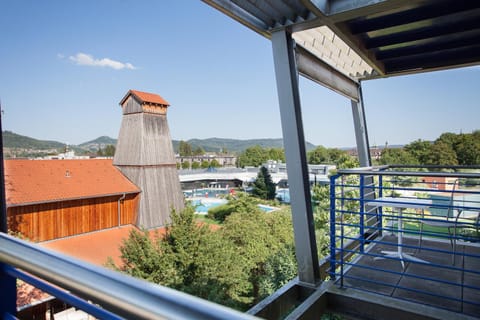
[(437, 275), (431, 255), (440, 280)]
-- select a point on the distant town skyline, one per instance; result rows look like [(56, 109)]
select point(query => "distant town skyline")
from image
[(66, 65)]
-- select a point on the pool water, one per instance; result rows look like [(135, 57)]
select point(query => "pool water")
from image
[(206, 192), (283, 195), (202, 205)]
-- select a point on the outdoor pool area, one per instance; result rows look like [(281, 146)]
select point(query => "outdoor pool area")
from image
[(283, 195), (206, 192), (202, 205)]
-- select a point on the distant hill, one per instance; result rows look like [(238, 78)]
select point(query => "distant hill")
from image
[(235, 145), (100, 142), (13, 140), (16, 141)]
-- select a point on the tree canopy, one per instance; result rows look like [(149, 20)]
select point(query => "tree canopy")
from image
[(247, 258), (184, 149), (448, 149), (264, 187), (256, 156)]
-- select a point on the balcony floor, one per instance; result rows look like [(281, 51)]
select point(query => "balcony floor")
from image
[(405, 284)]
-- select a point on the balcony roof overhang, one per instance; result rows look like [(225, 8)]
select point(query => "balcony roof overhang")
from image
[(368, 39)]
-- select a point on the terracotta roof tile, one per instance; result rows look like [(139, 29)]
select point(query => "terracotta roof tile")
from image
[(32, 181), (145, 97), (106, 243)]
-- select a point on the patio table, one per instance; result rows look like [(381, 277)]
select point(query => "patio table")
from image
[(401, 204)]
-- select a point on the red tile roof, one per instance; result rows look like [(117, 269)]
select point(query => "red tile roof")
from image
[(145, 97), (33, 181), (106, 243)]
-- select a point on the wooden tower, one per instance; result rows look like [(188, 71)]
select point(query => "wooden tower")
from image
[(144, 154)]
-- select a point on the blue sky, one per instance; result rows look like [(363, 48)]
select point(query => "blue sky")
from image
[(65, 65)]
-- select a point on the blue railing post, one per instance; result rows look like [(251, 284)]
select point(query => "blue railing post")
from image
[(332, 226), (8, 296), (380, 208), (362, 213)]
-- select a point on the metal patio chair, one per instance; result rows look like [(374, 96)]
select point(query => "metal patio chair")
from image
[(452, 222)]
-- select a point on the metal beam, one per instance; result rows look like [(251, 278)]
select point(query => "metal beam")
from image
[(294, 142), (317, 70), (361, 134), (341, 10), (237, 13)]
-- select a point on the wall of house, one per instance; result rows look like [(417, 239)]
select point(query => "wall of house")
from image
[(47, 221)]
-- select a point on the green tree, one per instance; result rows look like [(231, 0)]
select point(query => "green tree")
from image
[(189, 258), (237, 265), (198, 151), (242, 203), (467, 149), (195, 165), (186, 164), (448, 138), (397, 156), (214, 163), (419, 150), (253, 156), (205, 164), (279, 268), (441, 153), (109, 150), (277, 154), (258, 237), (318, 156), (184, 149), (264, 187), (178, 165)]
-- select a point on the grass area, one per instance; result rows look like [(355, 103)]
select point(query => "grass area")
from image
[(206, 220)]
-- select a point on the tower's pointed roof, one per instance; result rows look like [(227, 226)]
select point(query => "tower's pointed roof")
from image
[(145, 97)]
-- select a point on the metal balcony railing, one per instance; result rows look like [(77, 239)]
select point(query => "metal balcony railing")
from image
[(102, 293), (412, 233)]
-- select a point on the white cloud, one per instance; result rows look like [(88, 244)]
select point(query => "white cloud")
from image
[(84, 59)]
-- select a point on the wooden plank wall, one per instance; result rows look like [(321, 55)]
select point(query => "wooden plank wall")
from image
[(144, 140), (160, 193), (54, 220)]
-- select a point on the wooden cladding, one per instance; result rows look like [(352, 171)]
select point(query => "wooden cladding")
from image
[(154, 108), (47, 221)]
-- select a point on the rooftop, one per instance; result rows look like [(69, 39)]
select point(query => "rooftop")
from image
[(145, 97), (106, 242), (33, 181)]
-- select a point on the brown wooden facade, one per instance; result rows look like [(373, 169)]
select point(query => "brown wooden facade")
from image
[(52, 220)]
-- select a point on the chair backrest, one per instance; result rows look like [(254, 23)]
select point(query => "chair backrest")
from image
[(451, 204)]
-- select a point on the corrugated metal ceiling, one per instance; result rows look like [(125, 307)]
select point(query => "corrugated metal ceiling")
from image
[(366, 39)]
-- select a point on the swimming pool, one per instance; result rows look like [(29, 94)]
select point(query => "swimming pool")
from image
[(283, 195), (205, 192), (202, 205), (266, 208)]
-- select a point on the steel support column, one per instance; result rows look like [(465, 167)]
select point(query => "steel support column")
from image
[(363, 150), (361, 134), (286, 74)]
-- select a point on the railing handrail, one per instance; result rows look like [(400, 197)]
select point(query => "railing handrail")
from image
[(385, 171), (121, 294)]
